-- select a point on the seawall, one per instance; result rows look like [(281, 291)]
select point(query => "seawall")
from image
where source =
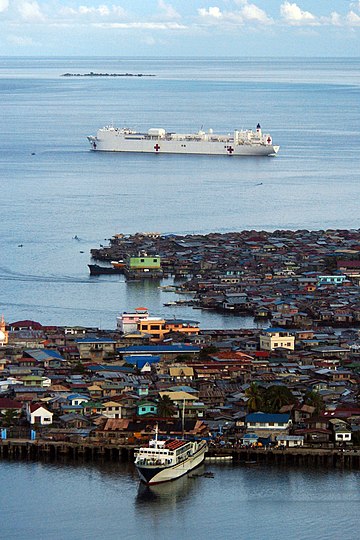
[(19, 449)]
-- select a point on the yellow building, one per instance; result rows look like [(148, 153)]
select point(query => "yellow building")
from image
[(273, 338), (4, 334), (154, 327), (157, 328)]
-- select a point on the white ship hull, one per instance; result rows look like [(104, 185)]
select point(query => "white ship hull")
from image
[(155, 475), (157, 141)]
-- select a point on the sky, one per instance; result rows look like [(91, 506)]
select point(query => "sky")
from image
[(303, 28)]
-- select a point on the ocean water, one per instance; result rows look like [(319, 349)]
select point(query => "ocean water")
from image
[(53, 187), (90, 501)]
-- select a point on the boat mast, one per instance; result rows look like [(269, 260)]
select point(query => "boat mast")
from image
[(156, 435), (183, 419)]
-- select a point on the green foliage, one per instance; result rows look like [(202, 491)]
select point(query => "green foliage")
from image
[(314, 399), (276, 397), (255, 395), (78, 369), (9, 418), (165, 407), (269, 399), (206, 351)]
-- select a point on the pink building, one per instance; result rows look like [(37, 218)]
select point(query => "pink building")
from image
[(128, 322)]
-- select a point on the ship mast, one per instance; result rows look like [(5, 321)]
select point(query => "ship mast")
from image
[(183, 419), (156, 435)]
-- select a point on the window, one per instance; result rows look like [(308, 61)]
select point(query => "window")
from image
[(155, 327), (142, 260), (155, 260), (143, 408)]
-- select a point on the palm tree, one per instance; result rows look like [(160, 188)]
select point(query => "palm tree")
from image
[(314, 399), (278, 396), (255, 397), (9, 418), (165, 407)]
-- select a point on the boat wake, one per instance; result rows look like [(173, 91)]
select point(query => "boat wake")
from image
[(7, 275)]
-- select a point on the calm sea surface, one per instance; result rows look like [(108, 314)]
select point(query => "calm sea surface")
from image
[(54, 502), (311, 108)]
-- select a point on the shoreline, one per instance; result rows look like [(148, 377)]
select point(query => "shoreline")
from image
[(328, 458)]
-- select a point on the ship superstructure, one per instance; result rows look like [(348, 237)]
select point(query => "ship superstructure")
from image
[(159, 141)]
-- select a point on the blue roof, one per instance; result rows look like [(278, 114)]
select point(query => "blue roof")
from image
[(43, 354), (104, 367), (181, 321), (275, 329), (116, 369), (174, 348), (77, 396), (141, 359), (267, 417)]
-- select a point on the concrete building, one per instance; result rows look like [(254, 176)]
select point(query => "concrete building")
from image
[(274, 338)]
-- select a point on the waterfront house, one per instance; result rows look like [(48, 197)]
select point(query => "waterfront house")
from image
[(314, 436), (38, 414), (73, 420), (268, 425), (143, 266), (290, 441)]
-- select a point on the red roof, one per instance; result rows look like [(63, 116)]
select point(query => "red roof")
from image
[(6, 403), (174, 444), (35, 406), (27, 324)]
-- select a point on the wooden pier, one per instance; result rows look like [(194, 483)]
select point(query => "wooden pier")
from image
[(297, 457), (19, 449)]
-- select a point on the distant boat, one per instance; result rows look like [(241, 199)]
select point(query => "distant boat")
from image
[(97, 270)]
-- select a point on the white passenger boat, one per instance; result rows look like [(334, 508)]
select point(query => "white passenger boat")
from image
[(167, 460), (159, 141)]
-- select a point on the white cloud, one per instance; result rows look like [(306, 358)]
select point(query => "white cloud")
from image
[(251, 12), (211, 12), (353, 18), (102, 11), (247, 13), (142, 25), (355, 5), (29, 11), (335, 19), (4, 4), (168, 11), (292, 14)]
